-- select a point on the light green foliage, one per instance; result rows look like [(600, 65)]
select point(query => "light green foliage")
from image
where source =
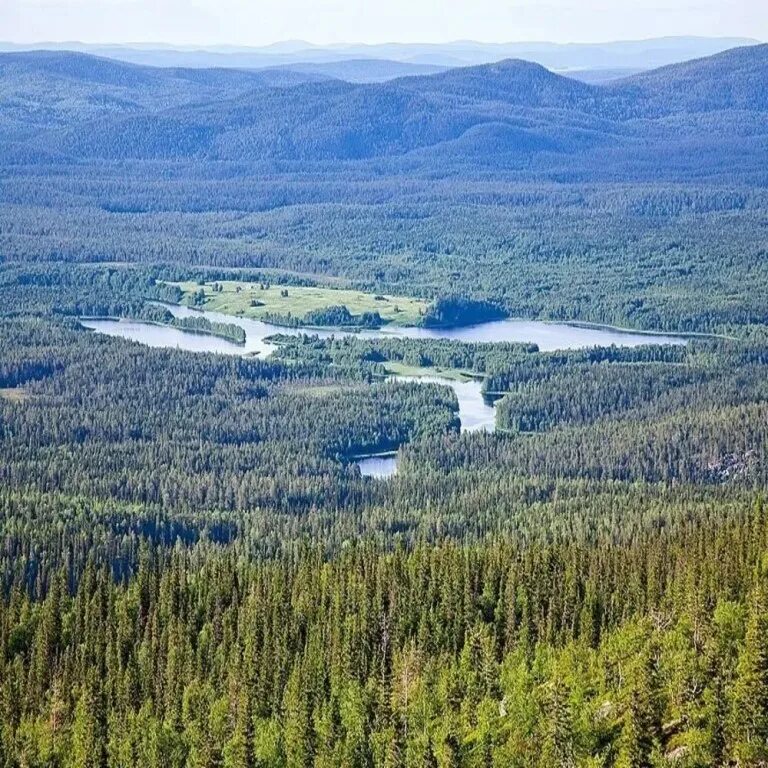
[(260, 300)]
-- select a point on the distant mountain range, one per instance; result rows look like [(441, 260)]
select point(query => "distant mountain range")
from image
[(360, 70), (376, 63), (640, 201), (64, 106)]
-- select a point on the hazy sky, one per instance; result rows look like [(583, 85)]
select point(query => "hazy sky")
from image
[(257, 22)]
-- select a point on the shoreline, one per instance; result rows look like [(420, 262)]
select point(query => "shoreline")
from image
[(196, 331), (585, 324), (381, 455)]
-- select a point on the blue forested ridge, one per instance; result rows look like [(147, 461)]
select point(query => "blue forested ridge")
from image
[(137, 112), (504, 182)]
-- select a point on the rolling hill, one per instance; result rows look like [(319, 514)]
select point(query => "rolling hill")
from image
[(44, 89), (362, 70), (733, 80), (75, 106), (621, 54), (621, 203)]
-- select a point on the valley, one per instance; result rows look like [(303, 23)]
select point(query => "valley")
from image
[(383, 422), (474, 410)]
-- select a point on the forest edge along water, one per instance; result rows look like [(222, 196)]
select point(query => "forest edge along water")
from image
[(476, 408), (546, 335)]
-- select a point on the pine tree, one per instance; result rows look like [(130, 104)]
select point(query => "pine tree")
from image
[(640, 726), (238, 751), (297, 723), (749, 744), (87, 736), (557, 746)]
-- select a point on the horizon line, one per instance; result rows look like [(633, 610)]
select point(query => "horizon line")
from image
[(197, 46)]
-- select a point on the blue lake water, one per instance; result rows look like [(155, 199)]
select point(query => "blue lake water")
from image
[(377, 466), (476, 411)]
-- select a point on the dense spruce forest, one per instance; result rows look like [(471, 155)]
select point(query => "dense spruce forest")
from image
[(194, 572)]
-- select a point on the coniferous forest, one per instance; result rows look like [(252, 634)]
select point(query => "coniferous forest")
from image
[(194, 571)]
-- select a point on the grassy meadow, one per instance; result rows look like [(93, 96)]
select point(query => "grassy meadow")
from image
[(258, 300)]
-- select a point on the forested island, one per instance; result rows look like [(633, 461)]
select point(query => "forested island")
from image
[(194, 572), (157, 314)]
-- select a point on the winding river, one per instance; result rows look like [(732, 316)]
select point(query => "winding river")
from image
[(548, 336), (476, 411)]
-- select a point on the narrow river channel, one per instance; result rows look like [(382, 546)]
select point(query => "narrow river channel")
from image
[(476, 411)]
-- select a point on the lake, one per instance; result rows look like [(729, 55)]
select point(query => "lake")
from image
[(476, 411), (163, 336), (548, 336), (377, 466)]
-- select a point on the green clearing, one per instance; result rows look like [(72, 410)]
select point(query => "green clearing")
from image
[(257, 300), (454, 374), (323, 390), (14, 394)]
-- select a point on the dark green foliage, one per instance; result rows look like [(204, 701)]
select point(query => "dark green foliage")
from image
[(192, 570), (441, 656), (157, 314), (659, 413), (78, 290), (333, 317), (161, 605), (451, 311), (193, 431), (351, 351), (339, 316)]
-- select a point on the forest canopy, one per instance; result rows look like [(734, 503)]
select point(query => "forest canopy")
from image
[(194, 570)]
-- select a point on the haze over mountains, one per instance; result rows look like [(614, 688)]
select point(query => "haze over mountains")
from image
[(555, 197), (376, 63), (66, 106)]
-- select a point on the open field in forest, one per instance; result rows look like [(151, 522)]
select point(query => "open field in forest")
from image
[(259, 300), (454, 374), (324, 390), (14, 394)]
